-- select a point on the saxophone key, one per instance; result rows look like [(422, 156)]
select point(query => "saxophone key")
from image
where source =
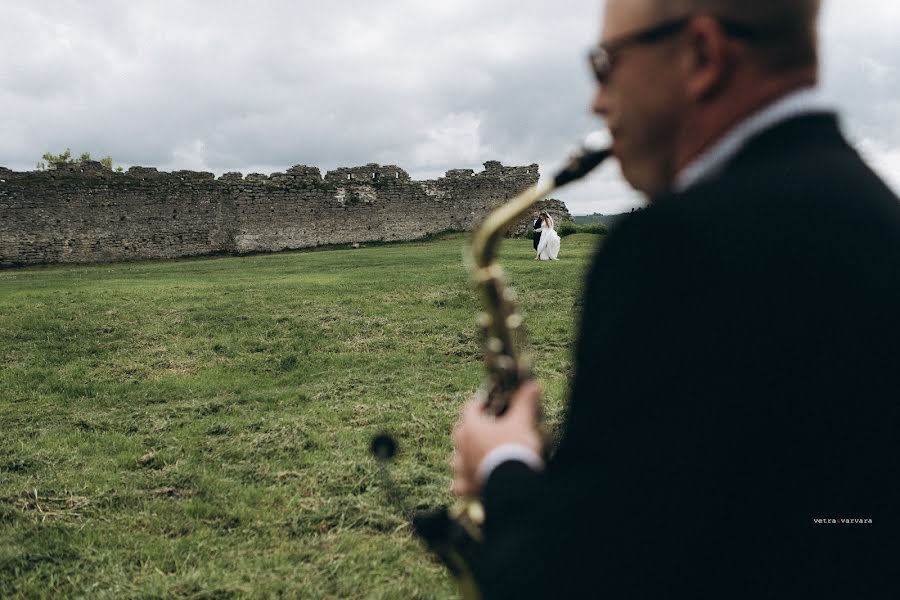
[(505, 364), (514, 321)]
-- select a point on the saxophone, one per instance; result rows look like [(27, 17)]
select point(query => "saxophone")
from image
[(454, 534)]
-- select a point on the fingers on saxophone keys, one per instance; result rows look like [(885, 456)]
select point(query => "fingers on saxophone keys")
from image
[(469, 410), (462, 488), (461, 485), (473, 408)]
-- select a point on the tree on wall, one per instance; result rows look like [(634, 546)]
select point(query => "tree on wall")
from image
[(52, 161)]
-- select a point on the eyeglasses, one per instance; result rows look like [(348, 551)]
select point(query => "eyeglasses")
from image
[(602, 57)]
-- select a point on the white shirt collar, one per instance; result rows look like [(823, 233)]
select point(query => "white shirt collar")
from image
[(714, 158)]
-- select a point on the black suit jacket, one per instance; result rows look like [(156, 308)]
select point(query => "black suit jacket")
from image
[(535, 234), (736, 379)]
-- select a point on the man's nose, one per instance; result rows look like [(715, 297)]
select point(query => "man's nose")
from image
[(600, 102)]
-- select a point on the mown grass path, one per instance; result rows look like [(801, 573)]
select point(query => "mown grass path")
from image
[(199, 429)]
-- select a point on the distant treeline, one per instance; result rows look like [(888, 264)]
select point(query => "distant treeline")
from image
[(608, 220)]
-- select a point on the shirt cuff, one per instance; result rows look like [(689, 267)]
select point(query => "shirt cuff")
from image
[(505, 452)]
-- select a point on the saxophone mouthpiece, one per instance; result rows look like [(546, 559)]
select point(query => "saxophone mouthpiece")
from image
[(596, 148)]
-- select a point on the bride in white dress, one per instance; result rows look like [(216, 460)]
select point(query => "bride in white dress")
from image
[(548, 246)]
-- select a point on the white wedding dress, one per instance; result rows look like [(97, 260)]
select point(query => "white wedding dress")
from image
[(548, 246)]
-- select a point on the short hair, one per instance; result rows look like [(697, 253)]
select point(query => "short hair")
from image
[(787, 27)]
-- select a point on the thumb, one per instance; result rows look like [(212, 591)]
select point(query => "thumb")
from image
[(524, 404)]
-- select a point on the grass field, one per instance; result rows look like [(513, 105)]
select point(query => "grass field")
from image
[(199, 428)]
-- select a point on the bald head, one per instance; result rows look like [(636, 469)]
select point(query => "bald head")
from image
[(787, 28)]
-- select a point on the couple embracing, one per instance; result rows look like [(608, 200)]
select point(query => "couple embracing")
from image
[(546, 240)]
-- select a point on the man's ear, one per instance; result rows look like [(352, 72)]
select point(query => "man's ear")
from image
[(709, 57)]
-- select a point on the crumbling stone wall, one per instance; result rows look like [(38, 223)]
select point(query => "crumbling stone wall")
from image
[(87, 213)]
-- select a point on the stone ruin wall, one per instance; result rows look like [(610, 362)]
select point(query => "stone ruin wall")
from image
[(84, 212)]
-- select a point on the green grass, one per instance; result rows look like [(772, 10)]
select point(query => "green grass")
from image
[(199, 429)]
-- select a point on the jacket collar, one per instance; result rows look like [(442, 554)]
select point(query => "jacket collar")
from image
[(712, 160)]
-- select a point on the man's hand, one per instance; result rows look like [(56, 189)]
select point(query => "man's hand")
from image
[(477, 433)]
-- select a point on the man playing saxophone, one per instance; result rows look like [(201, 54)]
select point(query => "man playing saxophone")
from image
[(732, 422)]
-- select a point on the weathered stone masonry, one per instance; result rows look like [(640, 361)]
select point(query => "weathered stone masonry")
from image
[(86, 213)]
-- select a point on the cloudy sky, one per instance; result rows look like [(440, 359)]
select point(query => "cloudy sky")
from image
[(260, 86)]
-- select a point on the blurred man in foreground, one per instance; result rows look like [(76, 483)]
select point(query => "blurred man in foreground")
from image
[(733, 423)]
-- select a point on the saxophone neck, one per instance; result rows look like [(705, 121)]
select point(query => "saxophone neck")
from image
[(487, 237)]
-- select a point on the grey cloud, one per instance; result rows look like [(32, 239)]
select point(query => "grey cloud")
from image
[(234, 86)]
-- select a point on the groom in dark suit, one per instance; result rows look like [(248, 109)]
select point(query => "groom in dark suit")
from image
[(536, 229), (733, 429)]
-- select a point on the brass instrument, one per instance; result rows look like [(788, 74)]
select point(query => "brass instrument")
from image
[(454, 534), (506, 368)]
